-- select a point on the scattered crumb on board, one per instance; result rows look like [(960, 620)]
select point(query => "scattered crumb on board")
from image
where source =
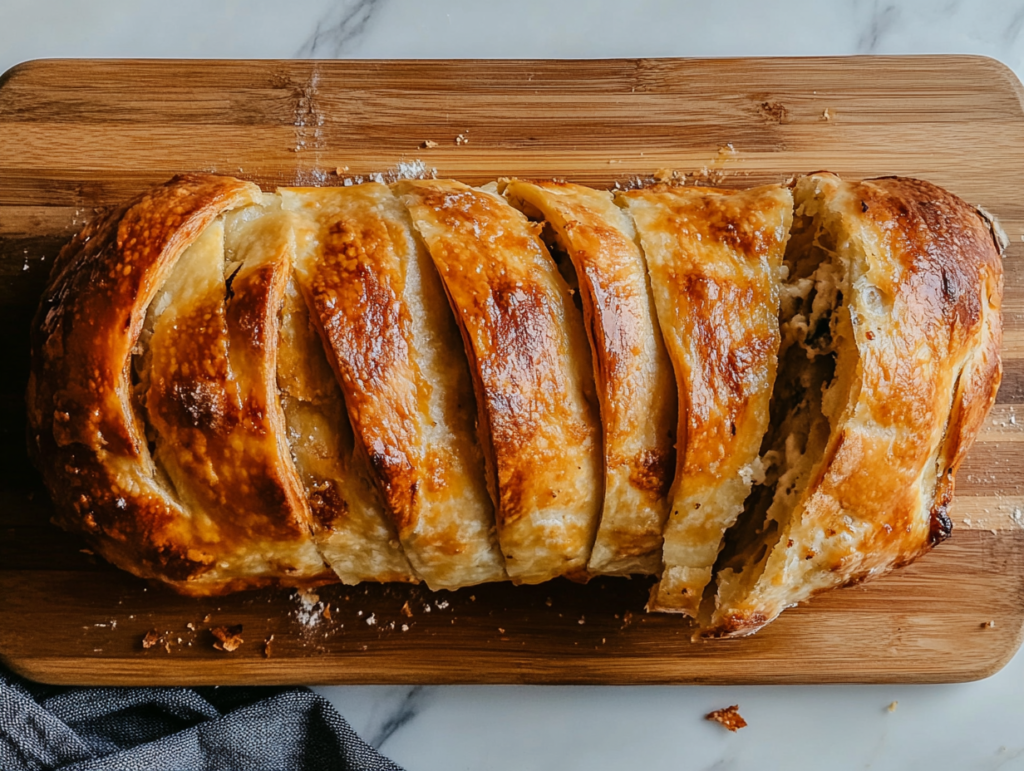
[(892, 706), (229, 638), (728, 718)]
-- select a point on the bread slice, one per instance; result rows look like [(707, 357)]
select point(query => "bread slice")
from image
[(86, 428), (380, 308), (891, 328), (635, 383), (531, 365), (347, 517), (212, 406), (714, 258)]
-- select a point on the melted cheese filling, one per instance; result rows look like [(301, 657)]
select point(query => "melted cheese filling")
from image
[(817, 358)]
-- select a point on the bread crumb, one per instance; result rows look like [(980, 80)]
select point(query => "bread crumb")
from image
[(406, 610), (207, 617), (90, 552), (190, 626), (229, 638), (426, 144), (341, 170), (150, 639), (892, 706), (728, 718), (266, 646), (500, 630), (405, 627), (582, 621), (371, 620), (627, 618), (462, 139), (548, 602), (989, 625), (327, 611), (826, 115)]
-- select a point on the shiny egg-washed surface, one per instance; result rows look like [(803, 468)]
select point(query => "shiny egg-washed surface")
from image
[(232, 389)]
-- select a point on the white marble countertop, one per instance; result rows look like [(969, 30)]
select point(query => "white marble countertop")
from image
[(971, 726)]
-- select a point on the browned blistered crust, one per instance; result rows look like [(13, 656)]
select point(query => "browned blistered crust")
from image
[(84, 434), (635, 384), (212, 402), (529, 357), (927, 373)]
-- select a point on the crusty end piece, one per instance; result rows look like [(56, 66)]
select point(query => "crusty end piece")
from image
[(893, 315)]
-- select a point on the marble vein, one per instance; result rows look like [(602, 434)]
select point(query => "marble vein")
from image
[(405, 712), (339, 29), (883, 20)]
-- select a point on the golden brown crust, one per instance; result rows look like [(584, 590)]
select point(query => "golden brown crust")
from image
[(84, 434), (714, 258), (379, 305), (529, 357), (635, 384), (923, 286)]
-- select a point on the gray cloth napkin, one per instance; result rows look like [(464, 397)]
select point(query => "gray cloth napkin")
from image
[(180, 729)]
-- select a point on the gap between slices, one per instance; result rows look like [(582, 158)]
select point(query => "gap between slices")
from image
[(594, 243)]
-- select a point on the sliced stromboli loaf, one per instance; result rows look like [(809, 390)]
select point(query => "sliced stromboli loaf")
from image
[(891, 323), (86, 433), (381, 309), (635, 383), (349, 524), (210, 395), (714, 258), (531, 366), (187, 420)]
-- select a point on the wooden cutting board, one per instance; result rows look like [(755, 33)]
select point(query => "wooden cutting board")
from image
[(75, 135)]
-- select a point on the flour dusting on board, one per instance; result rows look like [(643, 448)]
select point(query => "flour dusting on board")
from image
[(415, 169), (310, 609)]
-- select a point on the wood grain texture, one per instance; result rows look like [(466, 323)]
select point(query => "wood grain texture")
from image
[(76, 135)]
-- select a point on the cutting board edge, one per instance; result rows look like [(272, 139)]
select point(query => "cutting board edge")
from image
[(309, 671), (998, 68)]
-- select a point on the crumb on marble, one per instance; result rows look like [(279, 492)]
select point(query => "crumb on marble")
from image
[(728, 718)]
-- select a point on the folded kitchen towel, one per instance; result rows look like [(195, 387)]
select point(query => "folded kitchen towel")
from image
[(184, 729)]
